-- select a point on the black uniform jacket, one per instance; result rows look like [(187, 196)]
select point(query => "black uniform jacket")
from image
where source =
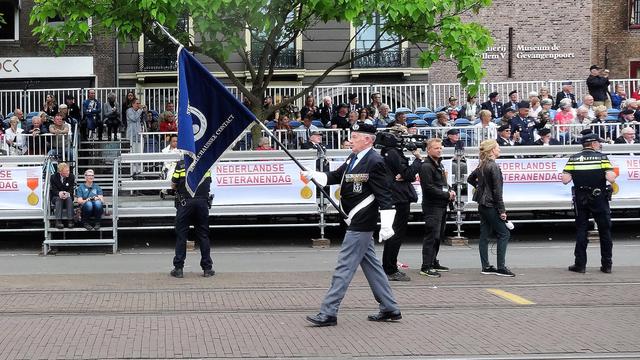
[(397, 164), (58, 184), (368, 177), (433, 181)]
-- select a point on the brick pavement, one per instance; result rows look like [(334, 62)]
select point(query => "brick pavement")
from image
[(261, 315)]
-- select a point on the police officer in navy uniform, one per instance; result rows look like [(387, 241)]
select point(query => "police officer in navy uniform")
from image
[(191, 210), (364, 188), (590, 170)]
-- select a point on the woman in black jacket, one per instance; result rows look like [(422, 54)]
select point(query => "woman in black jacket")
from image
[(487, 181)]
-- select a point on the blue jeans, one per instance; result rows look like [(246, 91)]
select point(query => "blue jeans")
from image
[(92, 209)]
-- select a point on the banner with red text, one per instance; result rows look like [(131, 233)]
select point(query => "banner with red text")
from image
[(540, 180), (20, 188), (260, 182), (531, 180)]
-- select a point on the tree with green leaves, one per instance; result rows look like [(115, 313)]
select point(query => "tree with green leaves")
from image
[(435, 27)]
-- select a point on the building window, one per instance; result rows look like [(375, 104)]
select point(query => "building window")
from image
[(161, 57), (9, 11), (634, 12), (372, 37)]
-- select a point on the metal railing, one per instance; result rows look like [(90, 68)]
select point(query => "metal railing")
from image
[(287, 59), (433, 96), (392, 58), (59, 146), (156, 62)]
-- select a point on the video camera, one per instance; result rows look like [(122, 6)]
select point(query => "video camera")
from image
[(401, 142)]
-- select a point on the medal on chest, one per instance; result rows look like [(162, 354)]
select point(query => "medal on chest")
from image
[(357, 187)]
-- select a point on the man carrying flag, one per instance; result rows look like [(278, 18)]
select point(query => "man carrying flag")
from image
[(210, 118)]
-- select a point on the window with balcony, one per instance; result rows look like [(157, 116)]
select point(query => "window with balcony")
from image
[(288, 58), (9, 11), (373, 37), (161, 57), (634, 14)]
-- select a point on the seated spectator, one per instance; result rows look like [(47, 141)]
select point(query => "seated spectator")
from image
[(504, 136), (345, 144), (59, 127), (364, 116), (545, 138), (401, 119), (73, 114), (598, 125), (340, 120), (37, 144), (13, 137), (582, 116), (470, 110), (264, 144), (485, 129), (535, 107), (494, 105), (285, 132), (507, 116), (628, 136), (304, 131), (565, 115), (169, 124), (383, 115), (453, 136), (618, 96), (310, 108), (452, 108), (546, 104), (89, 196), (354, 102), (50, 107), (169, 109), (353, 118), (587, 103), (62, 186), (151, 122), (512, 103), (290, 110), (63, 132), (441, 120), (169, 166), (543, 93)]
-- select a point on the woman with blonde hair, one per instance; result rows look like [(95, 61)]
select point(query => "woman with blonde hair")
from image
[(487, 181)]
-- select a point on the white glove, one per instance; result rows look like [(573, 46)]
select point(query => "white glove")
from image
[(386, 224), (320, 177)]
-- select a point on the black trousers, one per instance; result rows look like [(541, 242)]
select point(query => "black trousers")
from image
[(194, 212), (598, 207), (392, 245), (435, 221)]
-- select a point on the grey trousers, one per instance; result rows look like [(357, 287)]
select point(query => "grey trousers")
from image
[(358, 249), (59, 204)]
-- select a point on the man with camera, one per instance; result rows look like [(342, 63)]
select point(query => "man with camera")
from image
[(436, 196), (191, 210), (402, 176), (590, 170)]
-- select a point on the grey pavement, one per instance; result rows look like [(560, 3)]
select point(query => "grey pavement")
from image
[(83, 304), (284, 258)]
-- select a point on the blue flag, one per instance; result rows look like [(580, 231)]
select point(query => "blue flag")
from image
[(210, 118)]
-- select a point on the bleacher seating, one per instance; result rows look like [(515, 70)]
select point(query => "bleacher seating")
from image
[(271, 125), (419, 122), (462, 122), (422, 110), (428, 116), (404, 110), (317, 123), (294, 124), (412, 117)]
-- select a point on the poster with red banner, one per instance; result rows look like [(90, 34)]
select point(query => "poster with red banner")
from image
[(20, 188)]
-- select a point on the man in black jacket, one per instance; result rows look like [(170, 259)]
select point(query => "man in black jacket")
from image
[(493, 105), (598, 86), (567, 88), (436, 195), (403, 194), (364, 188), (63, 185)]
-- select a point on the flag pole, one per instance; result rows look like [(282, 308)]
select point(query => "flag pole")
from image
[(286, 151), (284, 148)]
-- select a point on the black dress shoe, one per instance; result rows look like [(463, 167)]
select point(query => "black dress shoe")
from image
[(385, 315), (576, 268), (605, 269), (209, 273), (323, 320), (177, 273)]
